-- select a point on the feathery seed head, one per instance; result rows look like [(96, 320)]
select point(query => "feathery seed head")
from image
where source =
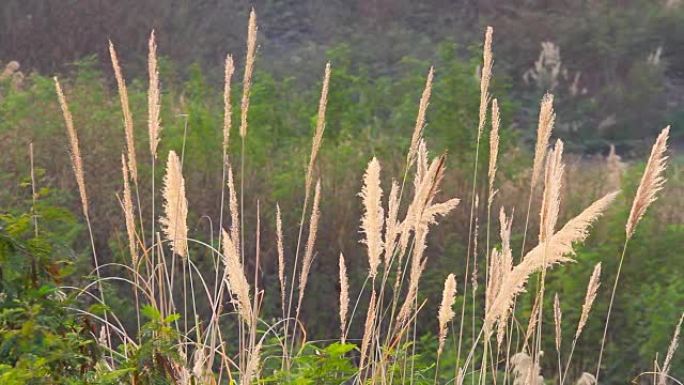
[(153, 96), (174, 221), (368, 329), (557, 317), (674, 344), (391, 223), (525, 370), (420, 118), (235, 278), (310, 243), (545, 256), (128, 214), (320, 129), (128, 117), (372, 221), (234, 210), (553, 179), (547, 118), (493, 149), (252, 368), (229, 69), (485, 78), (249, 70), (592, 290), (344, 298), (281, 257), (76, 161), (446, 313), (586, 379), (651, 182), (615, 168)]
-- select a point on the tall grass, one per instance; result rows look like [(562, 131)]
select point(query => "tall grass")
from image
[(395, 230)]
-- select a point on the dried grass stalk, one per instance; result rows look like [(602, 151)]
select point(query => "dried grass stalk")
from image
[(501, 262), (391, 223), (229, 69), (525, 371), (234, 210), (128, 214), (75, 153), (533, 320), (174, 221), (249, 70), (505, 224), (153, 97), (476, 231), (423, 164), (417, 203), (373, 218), (651, 182), (199, 368), (614, 169), (495, 277), (546, 121), (236, 279), (446, 313), (417, 267), (460, 377), (674, 344), (127, 115), (592, 290), (281, 257), (368, 330), (252, 367), (344, 298), (553, 179), (503, 266), (179, 369), (420, 118)]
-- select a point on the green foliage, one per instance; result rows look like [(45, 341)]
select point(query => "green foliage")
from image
[(649, 299), (41, 342), (155, 360), (329, 365)]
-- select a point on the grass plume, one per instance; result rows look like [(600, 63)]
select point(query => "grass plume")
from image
[(446, 313), (373, 218), (174, 222), (127, 115), (344, 298), (249, 70), (153, 96), (236, 279), (652, 181)]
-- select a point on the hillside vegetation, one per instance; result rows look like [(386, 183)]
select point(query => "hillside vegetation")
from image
[(372, 227)]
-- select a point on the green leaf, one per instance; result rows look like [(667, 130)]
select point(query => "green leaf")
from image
[(151, 313), (339, 349)]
